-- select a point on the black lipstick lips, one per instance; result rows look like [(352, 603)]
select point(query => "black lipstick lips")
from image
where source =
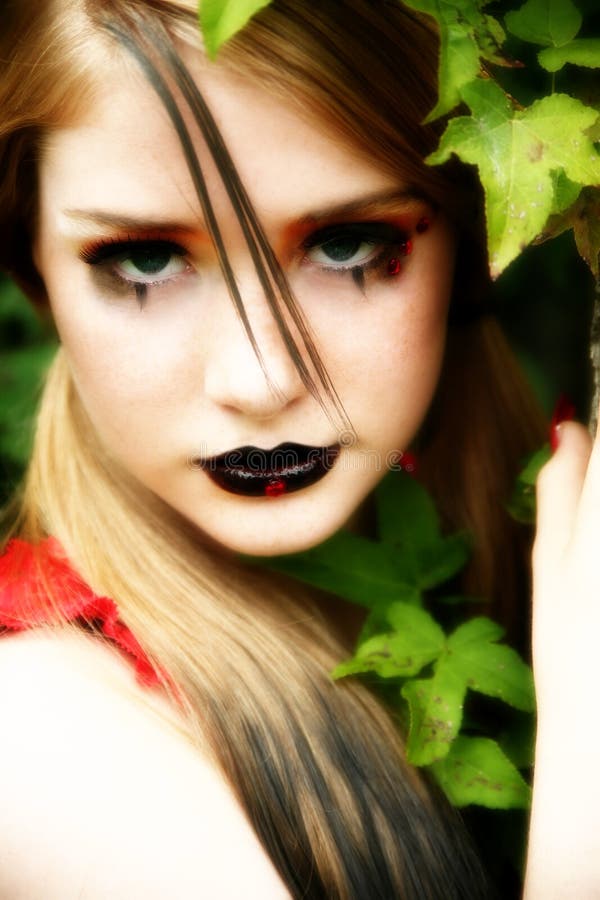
[(252, 472)]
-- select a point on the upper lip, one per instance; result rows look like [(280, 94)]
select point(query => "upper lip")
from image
[(285, 456)]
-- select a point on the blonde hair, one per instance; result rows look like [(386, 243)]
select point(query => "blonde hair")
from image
[(338, 809)]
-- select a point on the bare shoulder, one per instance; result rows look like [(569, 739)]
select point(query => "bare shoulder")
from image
[(101, 796)]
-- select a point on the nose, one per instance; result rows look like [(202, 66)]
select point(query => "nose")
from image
[(237, 378)]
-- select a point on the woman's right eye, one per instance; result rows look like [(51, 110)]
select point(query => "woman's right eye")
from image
[(151, 263), (139, 262)]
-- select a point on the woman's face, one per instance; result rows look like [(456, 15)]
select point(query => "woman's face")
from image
[(159, 355)]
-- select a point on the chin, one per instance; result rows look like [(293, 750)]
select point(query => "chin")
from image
[(281, 532)]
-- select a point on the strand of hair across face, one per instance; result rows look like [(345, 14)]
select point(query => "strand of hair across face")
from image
[(265, 262)]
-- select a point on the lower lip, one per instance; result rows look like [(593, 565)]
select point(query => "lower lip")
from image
[(277, 482)]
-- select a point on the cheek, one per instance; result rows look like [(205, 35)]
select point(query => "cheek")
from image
[(386, 364), (401, 378), (131, 377)]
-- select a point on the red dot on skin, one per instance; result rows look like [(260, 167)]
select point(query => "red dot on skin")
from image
[(423, 225), (275, 489), (409, 462), (394, 266), (407, 247)]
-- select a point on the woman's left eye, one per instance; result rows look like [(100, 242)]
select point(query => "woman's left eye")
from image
[(354, 247), (342, 252)]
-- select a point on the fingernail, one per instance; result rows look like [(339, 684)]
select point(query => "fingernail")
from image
[(564, 411)]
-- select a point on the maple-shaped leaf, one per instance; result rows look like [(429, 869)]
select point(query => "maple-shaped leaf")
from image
[(475, 770), (469, 659), (518, 154), (436, 706), (220, 20), (417, 641), (467, 35), (490, 668)]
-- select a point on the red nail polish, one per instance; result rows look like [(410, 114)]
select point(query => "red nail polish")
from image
[(564, 411)]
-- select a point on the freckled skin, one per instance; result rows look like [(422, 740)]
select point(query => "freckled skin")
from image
[(178, 378)]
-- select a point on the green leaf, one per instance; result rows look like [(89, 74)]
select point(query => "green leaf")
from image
[(522, 505), (584, 218), (417, 641), (408, 520), (406, 513), (583, 52), (435, 714), (534, 464), (586, 226), (442, 560), (466, 34), (220, 20), (517, 152), (476, 771), (489, 668), (566, 191), (377, 621), (21, 376), (353, 567), (475, 631), (550, 23)]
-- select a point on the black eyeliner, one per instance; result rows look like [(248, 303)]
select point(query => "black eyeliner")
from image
[(375, 231), (104, 251), (358, 277), (141, 293)]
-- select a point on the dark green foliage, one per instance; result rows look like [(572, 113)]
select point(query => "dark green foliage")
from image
[(27, 345), (401, 639)]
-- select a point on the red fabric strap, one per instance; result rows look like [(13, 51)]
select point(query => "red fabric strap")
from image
[(26, 571)]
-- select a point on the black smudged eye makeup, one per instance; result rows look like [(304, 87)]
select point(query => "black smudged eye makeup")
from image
[(357, 249), (137, 264)]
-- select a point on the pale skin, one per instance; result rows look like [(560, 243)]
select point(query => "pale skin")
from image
[(178, 376), (564, 848), (160, 382)]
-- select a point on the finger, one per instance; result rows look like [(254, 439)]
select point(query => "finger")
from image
[(589, 507), (559, 489)]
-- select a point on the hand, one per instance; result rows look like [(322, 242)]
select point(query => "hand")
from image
[(564, 847)]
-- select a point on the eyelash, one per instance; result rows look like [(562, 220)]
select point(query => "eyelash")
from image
[(392, 241), (105, 255)]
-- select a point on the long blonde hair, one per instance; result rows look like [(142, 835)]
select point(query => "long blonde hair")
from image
[(337, 808)]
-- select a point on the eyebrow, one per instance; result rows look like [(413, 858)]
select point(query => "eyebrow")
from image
[(371, 204), (366, 205), (125, 222)]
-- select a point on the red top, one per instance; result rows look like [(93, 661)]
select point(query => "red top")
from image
[(24, 602)]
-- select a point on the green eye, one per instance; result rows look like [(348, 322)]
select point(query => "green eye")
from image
[(343, 249), (148, 261)]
